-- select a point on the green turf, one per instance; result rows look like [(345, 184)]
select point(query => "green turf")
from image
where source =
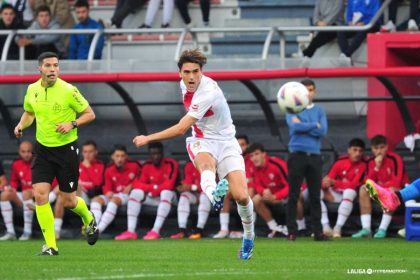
[(211, 259)]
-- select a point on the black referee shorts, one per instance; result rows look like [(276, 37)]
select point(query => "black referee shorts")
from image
[(60, 162)]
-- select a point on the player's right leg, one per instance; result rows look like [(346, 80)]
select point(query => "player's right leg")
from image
[(28, 213), (183, 211), (265, 213), (344, 210), (8, 195), (387, 199), (224, 218), (110, 212), (365, 214), (135, 201), (58, 216)]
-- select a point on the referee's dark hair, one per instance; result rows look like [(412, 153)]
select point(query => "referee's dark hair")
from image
[(308, 82), (45, 55), (357, 142), (119, 147), (378, 140), (254, 147), (156, 145), (90, 142)]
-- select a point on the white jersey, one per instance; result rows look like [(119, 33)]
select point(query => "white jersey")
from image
[(209, 106)]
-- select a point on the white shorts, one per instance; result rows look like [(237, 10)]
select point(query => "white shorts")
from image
[(122, 196), (226, 153)]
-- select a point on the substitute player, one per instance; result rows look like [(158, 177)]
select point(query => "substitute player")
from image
[(54, 104), (213, 144)]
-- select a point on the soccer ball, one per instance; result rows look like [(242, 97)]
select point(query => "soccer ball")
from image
[(292, 97)]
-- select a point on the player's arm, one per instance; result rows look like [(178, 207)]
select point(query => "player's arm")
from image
[(174, 131), (26, 120)]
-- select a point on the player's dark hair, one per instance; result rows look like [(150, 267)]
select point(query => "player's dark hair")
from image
[(192, 56), (7, 6), (307, 82), (255, 147), (357, 142), (42, 8), (45, 55), (81, 3), (378, 140), (90, 142), (243, 136), (156, 145), (119, 147)]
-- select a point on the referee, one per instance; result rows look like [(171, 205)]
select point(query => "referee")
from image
[(54, 104)]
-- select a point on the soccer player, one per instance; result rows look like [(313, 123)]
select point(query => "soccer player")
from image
[(387, 169), (191, 193), (341, 183), (54, 104), (119, 176), (20, 193), (213, 145), (155, 187)]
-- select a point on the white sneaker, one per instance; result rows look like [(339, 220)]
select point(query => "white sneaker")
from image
[(221, 234), (25, 236), (401, 233), (412, 25), (388, 27), (336, 233), (327, 231), (8, 236), (279, 229), (236, 234)]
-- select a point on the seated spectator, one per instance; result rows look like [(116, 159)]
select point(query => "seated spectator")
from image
[(37, 44), (61, 12), (409, 25), (326, 13), (183, 10), (152, 9), (80, 43), (20, 193), (24, 11), (191, 193), (9, 21), (340, 185), (119, 176), (270, 183), (359, 13), (123, 9), (387, 169), (155, 187)]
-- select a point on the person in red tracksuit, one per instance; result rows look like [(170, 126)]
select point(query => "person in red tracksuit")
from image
[(270, 184), (341, 184), (387, 169), (156, 187), (119, 176)]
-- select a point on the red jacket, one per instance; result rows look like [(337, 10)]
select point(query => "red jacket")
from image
[(347, 174), (117, 180), (154, 179), (21, 175), (391, 173), (91, 177), (273, 176), (249, 171), (192, 176)]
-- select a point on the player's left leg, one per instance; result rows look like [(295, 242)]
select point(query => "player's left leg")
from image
[(58, 215), (344, 210), (7, 196), (166, 198), (411, 191), (28, 214), (203, 214)]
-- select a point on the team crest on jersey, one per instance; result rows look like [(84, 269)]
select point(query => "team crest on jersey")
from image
[(131, 175), (271, 176), (194, 107), (197, 145), (56, 107), (20, 174), (114, 179)]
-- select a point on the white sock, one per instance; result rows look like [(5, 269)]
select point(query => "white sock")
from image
[(7, 212), (254, 217), (163, 209), (134, 208), (58, 223), (183, 210), (224, 221), (272, 224), (344, 211), (28, 215), (96, 209), (246, 214), (325, 221), (208, 183), (52, 196), (203, 210), (366, 221), (168, 8), (386, 220), (108, 216), (301, 224)]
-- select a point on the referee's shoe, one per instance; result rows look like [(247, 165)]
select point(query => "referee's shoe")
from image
[(48, 251), (92, 231)]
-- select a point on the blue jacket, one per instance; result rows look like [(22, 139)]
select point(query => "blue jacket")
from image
[(368, 8), (80, 43), (306, 136)]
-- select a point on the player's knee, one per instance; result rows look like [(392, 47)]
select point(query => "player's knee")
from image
[(363, 193), (167, 195), (242, 199), (349, 194), (257, 199)]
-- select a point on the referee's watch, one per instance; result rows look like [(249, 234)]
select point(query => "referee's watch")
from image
[(74, 124)]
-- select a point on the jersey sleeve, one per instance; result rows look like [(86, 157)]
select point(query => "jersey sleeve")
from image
[(27, 106), (77, 101), (201, 103)]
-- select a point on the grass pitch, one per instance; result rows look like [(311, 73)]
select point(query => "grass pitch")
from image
[(213, 259)]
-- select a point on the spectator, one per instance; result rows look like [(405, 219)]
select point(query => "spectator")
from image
[(341, 183), (153, 7), (183, 10), (191, 193), (42, 42), (20, 193), (359, 13), (387, 169), (3, 178), (9, 21), (306, 130), (123, 9), (392, 17), (155, 187), (24, 10), (326, 13), (80, 43), (270, 183), (119, 176)]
